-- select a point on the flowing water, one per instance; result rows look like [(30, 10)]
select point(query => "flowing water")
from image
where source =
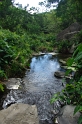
[(39, 85), (41, 76)]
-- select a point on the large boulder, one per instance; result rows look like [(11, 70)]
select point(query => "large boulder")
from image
[(59, 74), (68, 35), (67, 115), (69, 32), (19, 114), (3, 94)]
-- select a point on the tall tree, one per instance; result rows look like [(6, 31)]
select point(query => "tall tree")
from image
[(4, 6), (69, 11)]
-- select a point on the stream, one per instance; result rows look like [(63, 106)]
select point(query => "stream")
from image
[(38, 86)]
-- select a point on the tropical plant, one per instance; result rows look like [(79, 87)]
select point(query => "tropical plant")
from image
[(1, 87), (72, 93), (14, 53)]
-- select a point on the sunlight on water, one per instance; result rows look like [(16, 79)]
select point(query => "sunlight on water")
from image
[(45, 64), (41, 74), (39, 84)]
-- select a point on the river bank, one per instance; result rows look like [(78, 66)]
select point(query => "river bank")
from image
[(37, 87)]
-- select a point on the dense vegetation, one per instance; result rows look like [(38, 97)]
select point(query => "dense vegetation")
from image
[(69, 12), (22, 34)]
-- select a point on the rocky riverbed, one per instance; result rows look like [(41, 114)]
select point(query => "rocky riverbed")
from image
[(37, 87)]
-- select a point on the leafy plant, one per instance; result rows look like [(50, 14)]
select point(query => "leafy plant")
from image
[(14, 53), (2, 74), (1, 87), (64, 46), (72, 93)]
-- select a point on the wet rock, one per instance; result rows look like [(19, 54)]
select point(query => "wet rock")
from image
[(57, 107), (13, 83), (19, 114), (40, 99), (63, 62), (53, 53), (59, 74), (3, 95), (43, 53), (67, 115), (67, 67), (71, 50)]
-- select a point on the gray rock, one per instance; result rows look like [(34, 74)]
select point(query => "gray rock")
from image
[(71, 50), (69, 32), (67, 116), (63, 62), (13, 83), (68, 35), (19, 114), (59, 74)]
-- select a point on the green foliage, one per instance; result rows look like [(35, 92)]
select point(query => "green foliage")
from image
[(1, 87), (55, 97), (72, 93), (69, 11), (22, 33), (16, 50), (64, 46), (70, 61), (2, 74), (14, 53)]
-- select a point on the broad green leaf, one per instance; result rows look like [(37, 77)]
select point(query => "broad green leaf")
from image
[(67, 72), (68, 101), (80, 120), (79, 56), (54, 98), (62, 97), (70, 61), (1, 87), (77, 109), (80, 78), (80, 47)]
